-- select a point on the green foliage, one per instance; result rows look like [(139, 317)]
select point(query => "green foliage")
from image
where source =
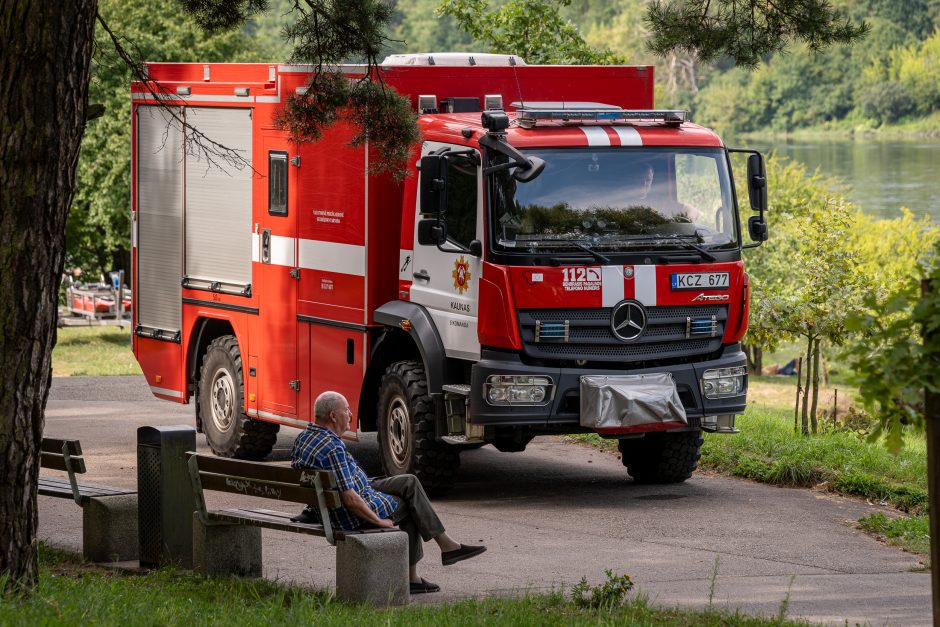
[(532, 29), (890, 77), (832, 273), (768, 451), (215, 16), (912, 533), (93, 351), (612, 593), (98, 231), (71, 592), (886, 102), (899, 355), (747, 31)]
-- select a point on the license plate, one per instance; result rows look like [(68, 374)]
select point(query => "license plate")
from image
[(700, 281)]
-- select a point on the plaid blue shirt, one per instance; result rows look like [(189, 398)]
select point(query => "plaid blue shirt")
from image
[(321, 449)]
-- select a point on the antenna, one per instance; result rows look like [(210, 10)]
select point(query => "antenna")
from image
[(512, 64)]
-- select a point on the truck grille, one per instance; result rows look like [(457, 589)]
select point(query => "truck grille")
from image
[(671, 332)]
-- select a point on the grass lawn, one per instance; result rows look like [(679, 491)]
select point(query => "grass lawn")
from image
[(93, 351), (70, 592)]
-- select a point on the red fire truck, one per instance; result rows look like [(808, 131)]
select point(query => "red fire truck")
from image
[(561, 258)]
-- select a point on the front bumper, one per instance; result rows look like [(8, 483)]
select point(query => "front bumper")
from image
[(564, 408)]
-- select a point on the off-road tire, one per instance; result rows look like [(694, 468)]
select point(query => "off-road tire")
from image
[(662, 457), (406, 429), (229, 431)]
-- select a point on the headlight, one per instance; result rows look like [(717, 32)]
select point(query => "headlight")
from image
[(724, 382), (509, 389)]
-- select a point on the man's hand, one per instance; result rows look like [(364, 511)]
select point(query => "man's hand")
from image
[(357, 505)]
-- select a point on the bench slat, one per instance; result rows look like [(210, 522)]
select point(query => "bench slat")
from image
[(54, 445), (57, 462), (281, 521), (262, 471), (255, 519), (264, 489), (63, 489)]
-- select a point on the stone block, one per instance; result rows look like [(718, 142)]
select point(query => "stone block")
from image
[(226, 549), (109, 528), (373, 568)]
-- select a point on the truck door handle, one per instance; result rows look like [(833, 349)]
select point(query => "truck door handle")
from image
[(266, 246), (422, 275)]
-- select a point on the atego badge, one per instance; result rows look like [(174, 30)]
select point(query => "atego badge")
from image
[(461, 274)]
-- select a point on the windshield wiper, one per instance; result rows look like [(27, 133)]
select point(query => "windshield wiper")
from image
[(598, 257), (683, 241)]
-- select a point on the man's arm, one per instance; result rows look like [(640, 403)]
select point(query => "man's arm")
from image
[(357, 505)]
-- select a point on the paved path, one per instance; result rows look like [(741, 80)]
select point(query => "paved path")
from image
[(558, 512)]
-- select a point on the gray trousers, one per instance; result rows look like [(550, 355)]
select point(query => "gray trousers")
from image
[(414, 515)]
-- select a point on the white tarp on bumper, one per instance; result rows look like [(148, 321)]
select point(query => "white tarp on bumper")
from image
[(629, 400)]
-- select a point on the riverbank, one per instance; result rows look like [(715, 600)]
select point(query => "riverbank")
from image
[(848, 130)]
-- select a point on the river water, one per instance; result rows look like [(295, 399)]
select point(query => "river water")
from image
[(882, 176)]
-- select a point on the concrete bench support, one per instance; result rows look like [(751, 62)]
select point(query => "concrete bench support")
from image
[(373, 568), (109, 528), (221, 549)]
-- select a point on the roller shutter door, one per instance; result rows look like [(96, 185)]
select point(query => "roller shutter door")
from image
[(217, 248), (159, 219)]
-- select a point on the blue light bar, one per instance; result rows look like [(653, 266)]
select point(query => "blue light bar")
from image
[(529, 115)]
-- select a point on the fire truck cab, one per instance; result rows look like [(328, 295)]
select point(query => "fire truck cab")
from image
[(560, 258)]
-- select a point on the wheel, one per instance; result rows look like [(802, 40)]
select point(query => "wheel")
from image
[(407, 429), (229, 431), (662, 457)]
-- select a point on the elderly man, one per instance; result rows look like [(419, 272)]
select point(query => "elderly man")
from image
[(386, 502)]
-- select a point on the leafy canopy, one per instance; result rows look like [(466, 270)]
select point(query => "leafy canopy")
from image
[(532, 29), (746, 30)]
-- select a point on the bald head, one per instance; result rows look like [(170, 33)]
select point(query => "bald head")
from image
[(326, 403)]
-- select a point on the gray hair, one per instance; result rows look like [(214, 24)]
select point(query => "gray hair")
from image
[(325, 403)]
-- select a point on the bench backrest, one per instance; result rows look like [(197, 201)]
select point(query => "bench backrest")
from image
[(310, 487), (66, 455), (265, 480)]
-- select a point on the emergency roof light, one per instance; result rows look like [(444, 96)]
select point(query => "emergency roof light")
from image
[(530, 113)]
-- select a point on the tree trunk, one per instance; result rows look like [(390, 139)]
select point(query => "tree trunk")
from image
[(758, 359), (808, 367), (45, 57), (799, 389), (812, 411)]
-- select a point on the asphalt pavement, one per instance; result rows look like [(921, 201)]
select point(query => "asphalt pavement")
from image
[(556, 513)]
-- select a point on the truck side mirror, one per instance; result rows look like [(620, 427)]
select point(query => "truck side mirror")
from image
[(757, 182), (757, 228), (433, 184), (432, 232)]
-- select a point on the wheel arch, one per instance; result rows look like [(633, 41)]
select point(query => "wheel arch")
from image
[(416, 322), (392, 345), (205, 330)]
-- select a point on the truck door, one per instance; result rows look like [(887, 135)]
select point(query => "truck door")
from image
[(277, 369), (445, 281)]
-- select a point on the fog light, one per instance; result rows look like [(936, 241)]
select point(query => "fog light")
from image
[(724, 382), (505, 389)]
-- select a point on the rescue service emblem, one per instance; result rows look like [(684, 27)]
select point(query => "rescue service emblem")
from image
[(461, 274)]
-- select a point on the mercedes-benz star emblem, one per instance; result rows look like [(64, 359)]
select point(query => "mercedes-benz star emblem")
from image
[(628, 320)]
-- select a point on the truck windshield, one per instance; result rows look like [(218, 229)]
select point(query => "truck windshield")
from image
[(616, 199)]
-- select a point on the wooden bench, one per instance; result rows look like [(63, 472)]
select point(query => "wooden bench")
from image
[(109, 514), (371, 564)]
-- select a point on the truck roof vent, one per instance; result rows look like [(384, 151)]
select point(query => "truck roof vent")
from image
[(462, 59)]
